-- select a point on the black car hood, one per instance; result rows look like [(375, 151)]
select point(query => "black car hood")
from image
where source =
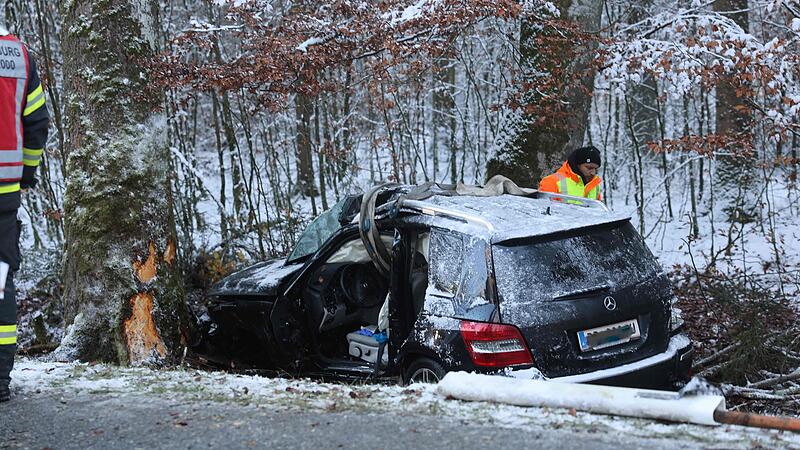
[(263, 278)]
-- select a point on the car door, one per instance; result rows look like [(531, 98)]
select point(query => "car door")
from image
[(288, 318), (292, 313), (402, 309), (291, 334)]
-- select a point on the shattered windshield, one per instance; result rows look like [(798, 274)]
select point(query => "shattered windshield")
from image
[(612, 256), (317, 233)]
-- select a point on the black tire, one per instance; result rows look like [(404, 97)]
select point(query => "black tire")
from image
[(423, 370)]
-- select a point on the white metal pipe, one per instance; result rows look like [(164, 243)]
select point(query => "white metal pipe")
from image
[(618, 401)]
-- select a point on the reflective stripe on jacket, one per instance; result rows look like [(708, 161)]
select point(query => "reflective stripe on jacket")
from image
[(567, 182)]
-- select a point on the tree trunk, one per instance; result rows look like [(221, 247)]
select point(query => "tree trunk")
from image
[(734, 173), (227, 125), (304, 108), (662, 135), (444, 115), (122, 294), (223, 210), (639, 167), (538, 147), (321, 157)]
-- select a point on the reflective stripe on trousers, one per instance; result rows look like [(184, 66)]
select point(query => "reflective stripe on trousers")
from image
[(9, 253), (8, 334)]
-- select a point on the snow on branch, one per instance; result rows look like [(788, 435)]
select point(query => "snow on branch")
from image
[(696, 47), (292, 52)]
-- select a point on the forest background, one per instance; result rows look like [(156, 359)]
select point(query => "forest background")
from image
[(245, 119)]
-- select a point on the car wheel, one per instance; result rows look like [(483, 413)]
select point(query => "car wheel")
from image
[(424, 370)]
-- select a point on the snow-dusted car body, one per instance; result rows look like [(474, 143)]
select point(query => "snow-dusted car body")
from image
[(524, 285)]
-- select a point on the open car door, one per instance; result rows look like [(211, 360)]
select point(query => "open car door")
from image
[(288, 315), (401, 307), (291, 335)]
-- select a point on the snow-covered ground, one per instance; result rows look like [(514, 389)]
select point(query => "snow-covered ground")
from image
[(33, 378)]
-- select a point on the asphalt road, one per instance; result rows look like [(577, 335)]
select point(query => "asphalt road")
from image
[(87, 421)]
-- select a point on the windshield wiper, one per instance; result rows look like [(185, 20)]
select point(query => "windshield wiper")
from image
[(583, 293)]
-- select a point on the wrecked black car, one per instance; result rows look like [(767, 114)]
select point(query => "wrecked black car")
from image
[(410, 282)]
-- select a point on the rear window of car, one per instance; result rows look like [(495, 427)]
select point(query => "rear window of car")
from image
[(535, 270)]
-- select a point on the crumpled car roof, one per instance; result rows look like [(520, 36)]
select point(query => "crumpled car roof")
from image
[(503, 217)]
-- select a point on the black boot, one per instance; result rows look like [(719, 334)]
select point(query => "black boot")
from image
[(5, 393)]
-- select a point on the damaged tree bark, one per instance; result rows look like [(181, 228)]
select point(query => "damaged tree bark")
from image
[(122, 293)]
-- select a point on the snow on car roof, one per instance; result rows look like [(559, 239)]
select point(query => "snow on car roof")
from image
[(503, 217)]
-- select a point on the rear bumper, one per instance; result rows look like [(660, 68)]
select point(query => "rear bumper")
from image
[(657, 371)]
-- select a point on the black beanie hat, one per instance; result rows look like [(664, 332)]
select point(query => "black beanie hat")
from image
[(584, 155)]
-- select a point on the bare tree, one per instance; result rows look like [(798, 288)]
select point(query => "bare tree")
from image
[(735, 172), (304, 108)]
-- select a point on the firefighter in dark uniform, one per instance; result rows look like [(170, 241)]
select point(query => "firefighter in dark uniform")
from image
[(23, 135)]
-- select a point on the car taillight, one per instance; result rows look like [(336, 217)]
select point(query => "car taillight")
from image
[(495, 345)]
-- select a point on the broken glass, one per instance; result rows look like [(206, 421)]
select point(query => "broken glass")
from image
[(317, 233)]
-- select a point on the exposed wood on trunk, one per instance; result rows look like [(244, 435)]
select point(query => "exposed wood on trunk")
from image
[(171, 252), (143, 339), (146, 270)]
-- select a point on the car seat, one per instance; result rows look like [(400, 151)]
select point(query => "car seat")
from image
[(362, 344)]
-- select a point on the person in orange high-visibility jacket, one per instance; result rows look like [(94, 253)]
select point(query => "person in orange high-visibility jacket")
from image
[(577, 176), (23, 134)]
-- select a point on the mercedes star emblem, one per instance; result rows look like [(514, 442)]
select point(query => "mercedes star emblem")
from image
[(610, 303)]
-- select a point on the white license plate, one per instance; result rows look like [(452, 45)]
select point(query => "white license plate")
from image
[(609, 335)]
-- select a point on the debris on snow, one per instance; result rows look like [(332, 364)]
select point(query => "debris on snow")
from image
[(699, 386)]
